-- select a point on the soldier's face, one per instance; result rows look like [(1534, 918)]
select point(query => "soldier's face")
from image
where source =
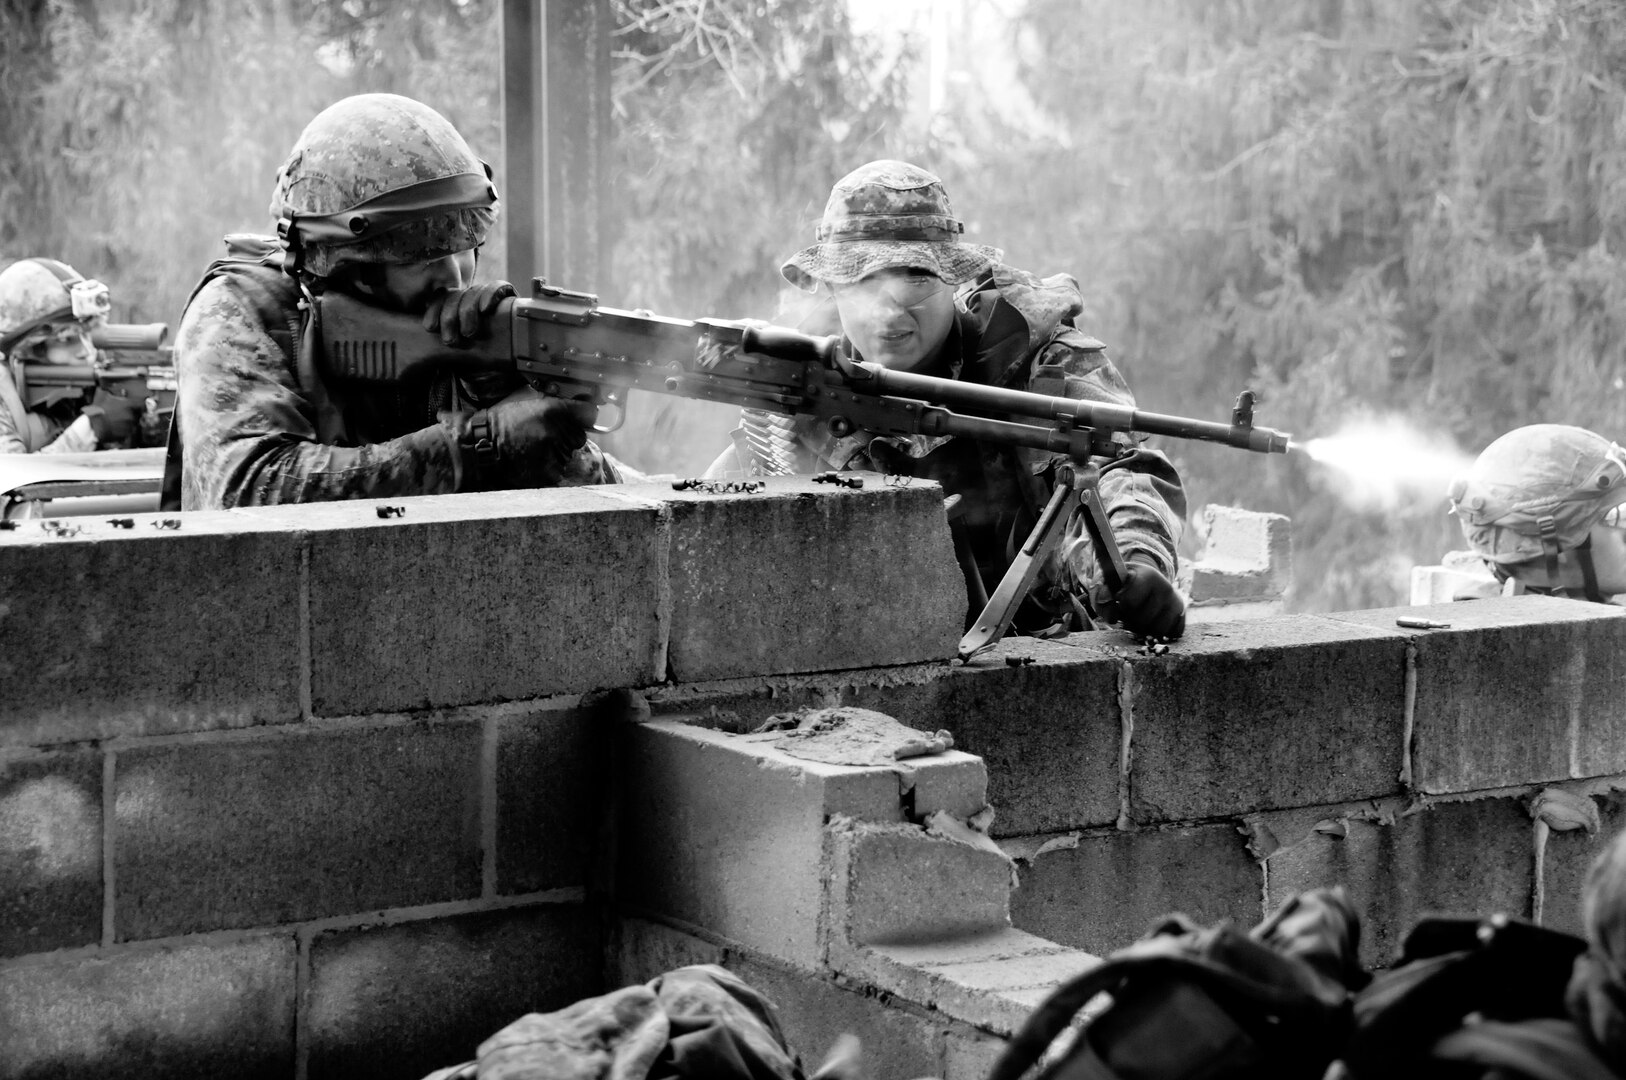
[(898, 318), (68, 343), (408, 286)]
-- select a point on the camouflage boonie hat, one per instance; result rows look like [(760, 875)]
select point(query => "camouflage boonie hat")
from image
[(380, 178), (1538, 490), (884, 215)]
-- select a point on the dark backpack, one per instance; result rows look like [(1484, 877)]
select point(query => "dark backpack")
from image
[(1196, 1003), (1473, 998)]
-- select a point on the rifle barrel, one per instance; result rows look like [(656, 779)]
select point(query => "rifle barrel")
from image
[(135, 337), (1084, 414)]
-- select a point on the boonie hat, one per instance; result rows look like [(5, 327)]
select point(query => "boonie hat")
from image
[(883, 215), (1538, 490)]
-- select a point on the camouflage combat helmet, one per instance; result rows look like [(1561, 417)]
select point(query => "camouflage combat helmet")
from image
[(37, 292), (1538, 490), (379, 178), (883, 215)]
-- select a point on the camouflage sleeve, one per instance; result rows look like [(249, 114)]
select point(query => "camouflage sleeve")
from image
[(1144, 498), (249, 433), (11, 439), (77, 437)]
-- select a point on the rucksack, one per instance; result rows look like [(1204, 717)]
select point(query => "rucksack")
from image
[(1470, 998), (1207, 1003)]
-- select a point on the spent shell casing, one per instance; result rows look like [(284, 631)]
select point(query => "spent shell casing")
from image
[(1421, 624)]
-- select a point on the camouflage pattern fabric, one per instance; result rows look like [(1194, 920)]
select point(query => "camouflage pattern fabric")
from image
[(1013, 330), (47, 430), (363, 147), (250, 430)]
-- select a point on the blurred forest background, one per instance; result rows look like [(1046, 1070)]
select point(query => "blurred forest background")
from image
[(1400, 220)]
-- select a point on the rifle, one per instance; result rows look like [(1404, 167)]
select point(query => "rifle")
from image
[(566, 343), (115, 337), (152, 386)]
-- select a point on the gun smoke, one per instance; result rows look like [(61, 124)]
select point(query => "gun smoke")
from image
[(1383, 463)]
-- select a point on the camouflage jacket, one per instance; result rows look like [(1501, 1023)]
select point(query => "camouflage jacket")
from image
[(1013, 330), (258, 425)]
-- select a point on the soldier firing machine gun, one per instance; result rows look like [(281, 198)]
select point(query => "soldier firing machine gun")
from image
[(565, 343)]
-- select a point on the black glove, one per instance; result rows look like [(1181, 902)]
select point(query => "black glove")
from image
[(529, 438), (1148, 605), (113, 418), (461, 314)]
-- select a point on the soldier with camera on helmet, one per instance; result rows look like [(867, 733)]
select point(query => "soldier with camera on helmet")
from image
[(897, 283), (383, 200), (47, 313)]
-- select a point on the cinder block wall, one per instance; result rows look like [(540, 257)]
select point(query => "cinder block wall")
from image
[(1261, 757), (321, 791), (311, 792)]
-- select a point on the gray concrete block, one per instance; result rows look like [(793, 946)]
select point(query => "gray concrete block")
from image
[(1454, 858), (50, 852), (898, 884), (806, 577), (190, 1012), (1048, 729), (1101, 892), (814, 1012), (258, 832), (1511, 687), (144, 631), (401, 1001), (481, 597), (552, 798), (1568, 857), (723, 832), (1271, 713)]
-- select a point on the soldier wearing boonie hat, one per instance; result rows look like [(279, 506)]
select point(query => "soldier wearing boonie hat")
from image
[(897, 280), (1542, 505), (381, 199)]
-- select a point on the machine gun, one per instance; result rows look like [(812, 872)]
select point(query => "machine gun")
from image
[(566, 343)]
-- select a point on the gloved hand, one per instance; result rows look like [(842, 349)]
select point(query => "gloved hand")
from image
[(113, 418), (533, 436), (461, 314), (1148, 604)]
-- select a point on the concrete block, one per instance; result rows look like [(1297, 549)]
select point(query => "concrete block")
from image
[(50, 851), (1043, 717), (1515, 683), (491, 596), (726, 833), (552, 798), (1568, 857), (1247, 555), (404, 1000), (144, 631), (1244, 716), (971, 1056), (1456, 858), (192, 1012), (988, 980), (1444, 584), (898, 1041), (262, 831), (898, 884), (1101, 892), (641, 949), (849, 579)]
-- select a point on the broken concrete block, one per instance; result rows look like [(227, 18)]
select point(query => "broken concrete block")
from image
[(1248, 556), (727, 832)]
